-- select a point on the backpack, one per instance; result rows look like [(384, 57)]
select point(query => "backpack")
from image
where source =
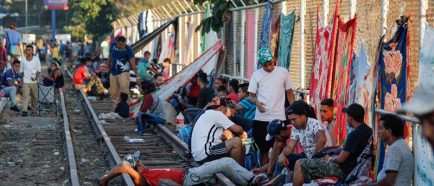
[(185, 133), (193, 122)]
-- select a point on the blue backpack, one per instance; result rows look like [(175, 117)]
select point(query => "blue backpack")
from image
[(185, 133)]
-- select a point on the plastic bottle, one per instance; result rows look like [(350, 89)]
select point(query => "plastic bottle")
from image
[(284, 175), (179, 121)]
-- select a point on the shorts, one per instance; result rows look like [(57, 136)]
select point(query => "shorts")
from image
[(259, 131), (216, 152), (319, 168)]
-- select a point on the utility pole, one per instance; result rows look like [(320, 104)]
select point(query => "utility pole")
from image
[(53, 25), (26, 15)]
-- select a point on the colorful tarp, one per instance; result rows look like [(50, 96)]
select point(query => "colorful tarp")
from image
[(323, 59), (393, 80), (287, 23), (265, 34), (208, 41), (274, 38), (424, 171), (426, 57), (341, 74), (137, 46), (183, 77), (361, 86), (250, 41)]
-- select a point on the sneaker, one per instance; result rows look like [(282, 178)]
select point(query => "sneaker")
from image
[(260, 179), (24, 114), (15, 108), (135, 130)]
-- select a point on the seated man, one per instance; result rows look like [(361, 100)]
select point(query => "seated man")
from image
[(328, 119), (82, 75), (281, 133), (10, 83), (346, 161), (245, 105), (193, 176), (398, 164), (207, 140), (307, 131)]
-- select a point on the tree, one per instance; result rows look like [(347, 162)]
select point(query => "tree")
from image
[(220, 13), (91, 18)]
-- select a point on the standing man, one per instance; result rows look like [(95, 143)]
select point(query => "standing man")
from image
[(31, 68), (12, 42), (121, 57), (267, 89), (105, 48)]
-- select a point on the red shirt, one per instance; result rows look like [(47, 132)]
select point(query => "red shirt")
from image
[(147, 102), (154, 175), (233, 97), (194, 90), (3, 58), (80, 74)]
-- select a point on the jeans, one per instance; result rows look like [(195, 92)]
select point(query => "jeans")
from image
[(227, 166), (144, 119), (11, 92)]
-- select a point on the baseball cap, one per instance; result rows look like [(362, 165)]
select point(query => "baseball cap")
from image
[(265, 55), (422, 101), (356, 111), (298, 107), (273, 128)]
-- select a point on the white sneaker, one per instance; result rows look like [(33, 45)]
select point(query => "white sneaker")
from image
[(135, 130)]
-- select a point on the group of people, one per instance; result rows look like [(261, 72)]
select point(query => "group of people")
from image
[(20, 70), (288, 138)]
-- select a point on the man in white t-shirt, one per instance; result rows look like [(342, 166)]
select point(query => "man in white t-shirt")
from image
[(209, 138), (309, 132), (267, 89), (31, 68), (105, 48), (398, 164)]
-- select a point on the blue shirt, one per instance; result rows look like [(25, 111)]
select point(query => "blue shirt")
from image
[(249, 108), (9, 74), (13, 37), (120, 59)]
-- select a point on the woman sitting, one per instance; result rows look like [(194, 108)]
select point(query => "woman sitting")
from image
[(55, 77)]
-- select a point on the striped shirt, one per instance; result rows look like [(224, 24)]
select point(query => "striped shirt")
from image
[(248, 108)]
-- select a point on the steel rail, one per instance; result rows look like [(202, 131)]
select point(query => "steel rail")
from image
[(69, 145), (100, 130)]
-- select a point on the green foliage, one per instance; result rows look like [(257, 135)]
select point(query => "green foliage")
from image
[(91, 18), (220, 13)]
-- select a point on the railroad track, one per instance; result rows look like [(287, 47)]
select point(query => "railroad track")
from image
[(160, 149)]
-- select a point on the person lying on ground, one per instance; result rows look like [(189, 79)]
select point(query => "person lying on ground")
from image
[(341, 165), (10, 84), (152, 110), (208, 141), (307, 131), (143, 176), (398, 164)]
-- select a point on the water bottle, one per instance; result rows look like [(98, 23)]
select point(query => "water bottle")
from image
[(284, 174), (179, 121)]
